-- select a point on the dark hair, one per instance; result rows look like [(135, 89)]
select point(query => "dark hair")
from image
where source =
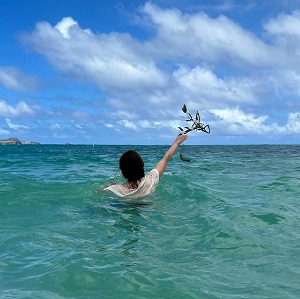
[(132, 167)]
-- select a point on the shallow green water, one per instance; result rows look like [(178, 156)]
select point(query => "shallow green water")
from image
[(226, 225)]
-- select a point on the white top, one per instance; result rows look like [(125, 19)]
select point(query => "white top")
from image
[(147, 185)]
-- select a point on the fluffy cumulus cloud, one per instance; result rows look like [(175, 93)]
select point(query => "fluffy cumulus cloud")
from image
[(238, 122), (284, 25), (293, 123), (201, 82), (210, 63), (199, 37), (13, 78), (21, 109), (109, 60)]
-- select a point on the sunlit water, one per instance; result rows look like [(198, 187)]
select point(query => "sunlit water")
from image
[(225, 225)]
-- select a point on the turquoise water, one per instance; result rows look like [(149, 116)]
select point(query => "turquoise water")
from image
[(226, 225)]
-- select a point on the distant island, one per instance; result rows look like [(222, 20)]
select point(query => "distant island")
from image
[(16, 141)]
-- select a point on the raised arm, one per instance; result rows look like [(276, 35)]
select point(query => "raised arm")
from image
[(162, 164)]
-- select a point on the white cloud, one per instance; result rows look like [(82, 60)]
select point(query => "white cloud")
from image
[(21, 109), (13, 78), (237, 117), (293, 123), (109, 126), (55, 127), (202, 38), (145, 124), (64, 26), (283, 83), (141, 125), (128, 124), (285, 24), (14, 126), (201, 82), (109, 60), (235, 121), (284, 32), (198, 38)]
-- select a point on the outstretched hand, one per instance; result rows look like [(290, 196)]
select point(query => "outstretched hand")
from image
[(180, 139)]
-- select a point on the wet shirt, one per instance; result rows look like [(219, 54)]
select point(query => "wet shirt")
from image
[(147, 185)]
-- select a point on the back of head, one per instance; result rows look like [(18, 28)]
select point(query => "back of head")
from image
[(132, 166)]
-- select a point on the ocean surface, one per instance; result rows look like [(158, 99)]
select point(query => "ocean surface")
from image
[(225, 225)]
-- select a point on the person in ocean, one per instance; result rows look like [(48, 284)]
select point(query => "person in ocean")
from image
[(132, 167)]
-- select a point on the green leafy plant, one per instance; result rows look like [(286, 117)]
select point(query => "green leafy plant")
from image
[(197, 125)]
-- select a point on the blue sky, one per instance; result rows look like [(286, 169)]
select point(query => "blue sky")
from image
[(118, 72)]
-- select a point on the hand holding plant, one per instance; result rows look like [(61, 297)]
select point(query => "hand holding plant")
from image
[(196, 125)]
